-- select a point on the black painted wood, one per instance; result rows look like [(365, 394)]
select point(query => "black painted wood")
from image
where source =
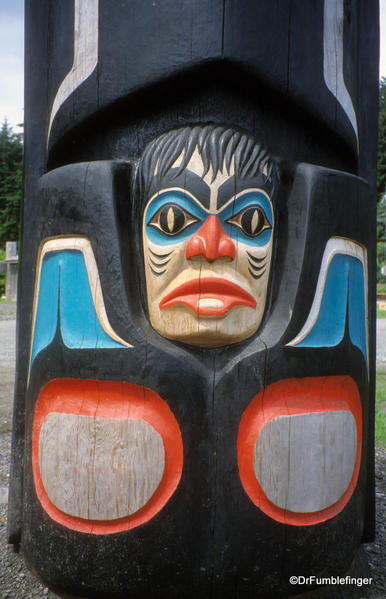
[(161, 65)]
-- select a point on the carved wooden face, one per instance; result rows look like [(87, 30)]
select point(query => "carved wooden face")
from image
[(207, 249)]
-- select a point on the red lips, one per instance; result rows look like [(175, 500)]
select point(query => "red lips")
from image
[(192, 293)]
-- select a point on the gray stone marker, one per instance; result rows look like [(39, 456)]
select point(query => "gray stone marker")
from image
[(11, 267)]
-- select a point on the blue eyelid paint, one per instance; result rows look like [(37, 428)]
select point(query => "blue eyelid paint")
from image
[(250, 198), (185, 202), (174, 197)]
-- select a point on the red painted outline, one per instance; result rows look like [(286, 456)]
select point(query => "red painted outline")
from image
[(289, 397), (110, 399)]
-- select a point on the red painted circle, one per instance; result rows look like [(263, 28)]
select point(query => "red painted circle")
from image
[(290, 397), (122, 401)]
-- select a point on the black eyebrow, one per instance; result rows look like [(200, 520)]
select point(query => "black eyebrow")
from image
[(226, 191), (235, 184), (185, 180)]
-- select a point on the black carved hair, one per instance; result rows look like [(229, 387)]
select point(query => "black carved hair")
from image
[(216, 144)]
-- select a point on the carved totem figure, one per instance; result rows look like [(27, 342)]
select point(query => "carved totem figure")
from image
[(207, 234), (194, 401)]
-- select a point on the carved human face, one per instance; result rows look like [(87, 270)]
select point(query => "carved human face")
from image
[(207, 251)]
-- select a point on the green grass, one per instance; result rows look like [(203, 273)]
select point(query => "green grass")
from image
[(381, 313), (4, 301), (380, 409)]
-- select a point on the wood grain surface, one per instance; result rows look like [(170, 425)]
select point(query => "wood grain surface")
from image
[(305, 462), (99, 468)]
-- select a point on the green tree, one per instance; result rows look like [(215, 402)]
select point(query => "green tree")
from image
[(381, 182), (11, 182), (381, 176)]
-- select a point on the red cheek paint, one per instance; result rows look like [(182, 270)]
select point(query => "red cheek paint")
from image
[(287, 398), (114, 400)]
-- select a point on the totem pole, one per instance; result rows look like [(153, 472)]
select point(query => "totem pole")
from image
[(194, 399)]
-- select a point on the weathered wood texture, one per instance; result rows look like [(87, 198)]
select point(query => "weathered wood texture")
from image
[(305, 463), (98, 468), (103, 80)]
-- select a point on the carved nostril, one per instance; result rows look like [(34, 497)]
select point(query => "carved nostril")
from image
[(227, 247), (195, 247), (211, 241)]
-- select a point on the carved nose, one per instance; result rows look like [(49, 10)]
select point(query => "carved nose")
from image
[(211, 241)]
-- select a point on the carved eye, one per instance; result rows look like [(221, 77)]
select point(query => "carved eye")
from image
[(171, 219), (252, 221)]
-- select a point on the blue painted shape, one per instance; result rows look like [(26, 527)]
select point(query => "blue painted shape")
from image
[(250, 198), (357, 307), (47, 308), (328, 329), (186, 202), (174, 196), (64, 291), (344, 293)]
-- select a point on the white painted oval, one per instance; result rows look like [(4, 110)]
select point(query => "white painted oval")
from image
[(99, 468), (305, 462), (210, 302)]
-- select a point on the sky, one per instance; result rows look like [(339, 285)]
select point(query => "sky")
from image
[(12, 61), (382, 53), (12, 58)]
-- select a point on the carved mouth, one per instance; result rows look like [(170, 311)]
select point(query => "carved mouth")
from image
[(208, 296)]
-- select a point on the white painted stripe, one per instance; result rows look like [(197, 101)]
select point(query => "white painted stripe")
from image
[(334, 246), (333, 58), (83, 245), (85, 53)]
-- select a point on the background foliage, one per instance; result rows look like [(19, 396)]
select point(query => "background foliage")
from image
[(381, 183), (2, 275), (11, 183), (381, 179)]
